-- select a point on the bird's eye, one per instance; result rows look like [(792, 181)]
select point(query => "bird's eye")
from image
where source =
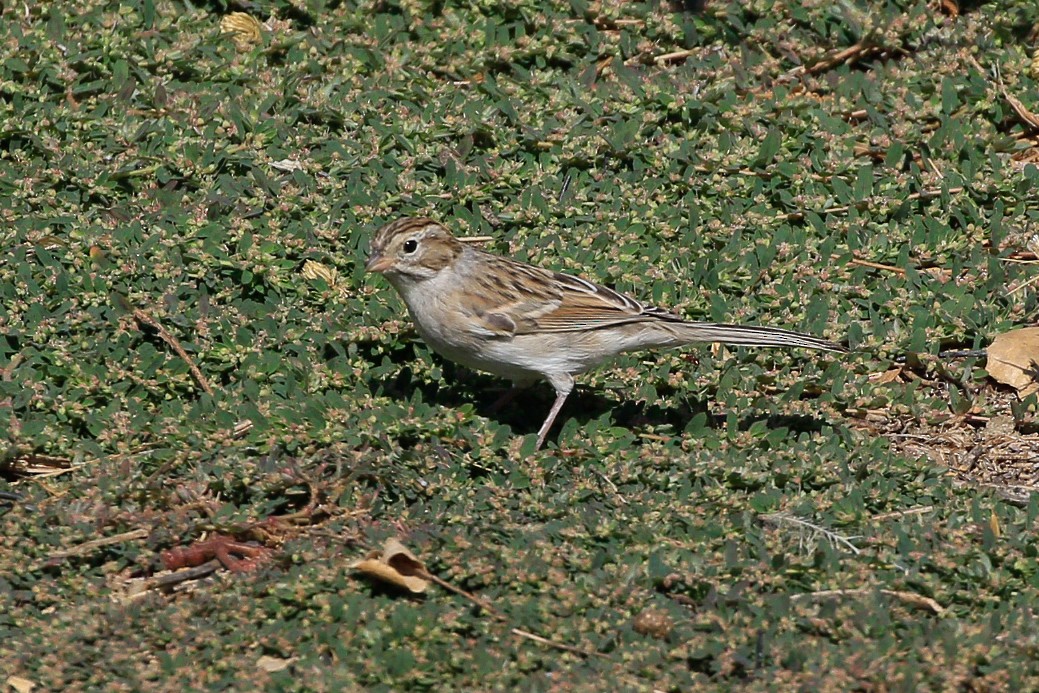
[(410, 245)]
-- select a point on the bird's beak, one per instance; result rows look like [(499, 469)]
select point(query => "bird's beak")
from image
[(378, 263)]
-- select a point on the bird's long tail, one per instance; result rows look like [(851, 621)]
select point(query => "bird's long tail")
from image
[(748, 335)]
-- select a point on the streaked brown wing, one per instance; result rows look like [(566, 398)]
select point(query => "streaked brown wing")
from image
[(583, 305), (506, 297), (515, 298)]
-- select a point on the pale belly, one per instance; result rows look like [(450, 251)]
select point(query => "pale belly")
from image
[(525, 358)]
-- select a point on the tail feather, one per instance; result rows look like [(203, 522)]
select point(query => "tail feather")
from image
[(748, 335)]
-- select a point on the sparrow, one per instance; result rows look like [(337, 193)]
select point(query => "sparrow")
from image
[(526, 323)]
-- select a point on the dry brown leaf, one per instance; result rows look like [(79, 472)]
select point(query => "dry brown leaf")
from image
[(939, 273), (396, 565), (273, 664), (244, 29), (891, 375), (1013, 359), (19, 684)]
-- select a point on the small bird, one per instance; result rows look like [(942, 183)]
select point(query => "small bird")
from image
[(525, 323)]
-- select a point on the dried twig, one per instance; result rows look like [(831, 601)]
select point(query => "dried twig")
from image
[(498, 616), (922, 510), (1023, 285), (876, 265), (138, 588), (931, 194), (558, 645), (851, 54), (1030, 119), (143, 317), (911, 598), (864, 204), (833, 537), (1016, 494), (175, 578), (671, 57), (485, 605), (89, 546)]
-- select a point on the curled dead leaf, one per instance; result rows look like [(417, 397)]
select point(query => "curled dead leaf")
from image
[(396, 565), (1013, 359), (244, 29)]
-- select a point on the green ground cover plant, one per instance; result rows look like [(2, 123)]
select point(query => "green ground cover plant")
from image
[(190, 350)]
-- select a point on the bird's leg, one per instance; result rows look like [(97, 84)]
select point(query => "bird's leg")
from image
[(550, 419), (563, 384)]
